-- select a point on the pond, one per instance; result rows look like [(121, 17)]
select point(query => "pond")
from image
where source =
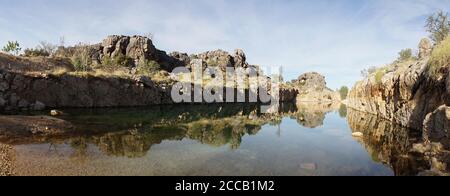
[(236, 139)]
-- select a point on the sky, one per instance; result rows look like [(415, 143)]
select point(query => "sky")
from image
[(337, 38)]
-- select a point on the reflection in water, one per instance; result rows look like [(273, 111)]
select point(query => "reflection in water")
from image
[(388, 143), (219, 140)]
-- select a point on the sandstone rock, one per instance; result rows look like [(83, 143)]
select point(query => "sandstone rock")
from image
[(25, 126), (404, 97), (437, 125), (425, 48), (140, 48)]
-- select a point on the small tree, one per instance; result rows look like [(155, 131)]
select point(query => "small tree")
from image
[(405, 54), (439, 26), (344, 92), (13, 47)]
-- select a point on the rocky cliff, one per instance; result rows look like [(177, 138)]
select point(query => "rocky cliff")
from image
[(414, 93), (404, 93)]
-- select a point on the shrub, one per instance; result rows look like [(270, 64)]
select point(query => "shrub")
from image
[(440, 57), (107, 61), (379, 75), (81, 59), (30, 52), (146, 67), (122, 61), (439, 26), (12, 47)]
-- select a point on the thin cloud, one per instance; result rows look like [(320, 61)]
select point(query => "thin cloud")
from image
[(336, 38)]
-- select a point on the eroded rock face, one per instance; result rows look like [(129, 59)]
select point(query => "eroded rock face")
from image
[(404, 97), (38, 92)]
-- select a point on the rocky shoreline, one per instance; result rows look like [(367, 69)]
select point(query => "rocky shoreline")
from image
[(412, 96)]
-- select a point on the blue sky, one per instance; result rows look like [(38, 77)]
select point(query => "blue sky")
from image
[(337, 38)]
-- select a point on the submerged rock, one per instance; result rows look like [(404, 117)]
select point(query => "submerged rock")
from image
[(24, 126)]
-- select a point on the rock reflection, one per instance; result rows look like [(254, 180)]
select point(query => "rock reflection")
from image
[(388, 143), (132, 133), (312, 115)]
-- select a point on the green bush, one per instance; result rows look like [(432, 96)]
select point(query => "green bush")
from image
[(30, 52), (379, 75), (405, 55), (122, 61), (146, 67)]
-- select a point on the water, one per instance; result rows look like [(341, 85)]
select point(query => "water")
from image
[(227, 140)]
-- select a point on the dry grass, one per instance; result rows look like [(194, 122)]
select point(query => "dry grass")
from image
[(440, 57)]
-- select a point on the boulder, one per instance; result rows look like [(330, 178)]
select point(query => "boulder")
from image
[(23, 126), (140, 48), (311, 81), (437, 125)]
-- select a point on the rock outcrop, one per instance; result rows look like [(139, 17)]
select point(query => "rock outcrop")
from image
[(411, 95), (312, 87), (404, 96), (138, 48), (23, 92)]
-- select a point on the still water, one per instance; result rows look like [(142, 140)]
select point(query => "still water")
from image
[(311, 139)]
